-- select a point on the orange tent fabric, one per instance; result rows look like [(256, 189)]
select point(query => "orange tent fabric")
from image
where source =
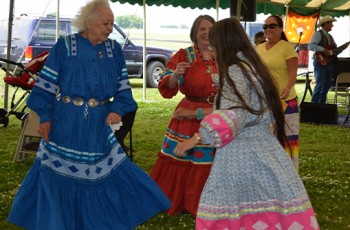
[(299, 23)]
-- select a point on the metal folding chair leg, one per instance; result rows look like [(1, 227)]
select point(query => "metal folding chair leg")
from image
[(126, 129), (29, 140), (347, 116)]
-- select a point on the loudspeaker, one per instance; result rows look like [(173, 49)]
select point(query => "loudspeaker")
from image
[(248, 10), (318, 113)]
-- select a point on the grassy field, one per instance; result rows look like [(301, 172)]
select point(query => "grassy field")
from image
[(173, 39), (324, 162), (324, 151)]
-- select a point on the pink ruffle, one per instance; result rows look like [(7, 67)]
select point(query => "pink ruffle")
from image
[(265, 221)]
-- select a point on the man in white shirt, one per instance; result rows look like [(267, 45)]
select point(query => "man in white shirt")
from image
[(326, 51)]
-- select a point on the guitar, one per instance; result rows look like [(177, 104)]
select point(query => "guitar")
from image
[(323, 59)]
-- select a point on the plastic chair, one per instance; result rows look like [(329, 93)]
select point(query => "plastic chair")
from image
[(342, 89), (30, 139)]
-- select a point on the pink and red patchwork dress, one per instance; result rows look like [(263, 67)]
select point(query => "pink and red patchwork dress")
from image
[(252, 184)]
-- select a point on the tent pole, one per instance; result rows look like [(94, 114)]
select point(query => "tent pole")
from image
[(285, 18), (349, 30), (238, 10), (8, 54), (144, 67), (58, 20), (217, 9)]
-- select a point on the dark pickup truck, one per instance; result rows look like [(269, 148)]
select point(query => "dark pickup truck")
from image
[(33, 35)]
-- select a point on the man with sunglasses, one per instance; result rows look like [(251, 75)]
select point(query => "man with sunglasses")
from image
[(325, 53)]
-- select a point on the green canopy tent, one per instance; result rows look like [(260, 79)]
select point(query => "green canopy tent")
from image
[(335, 8)]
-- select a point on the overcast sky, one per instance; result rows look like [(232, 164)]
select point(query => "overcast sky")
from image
[(155, 15)]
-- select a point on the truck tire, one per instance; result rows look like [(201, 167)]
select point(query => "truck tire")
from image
[(153, 71)]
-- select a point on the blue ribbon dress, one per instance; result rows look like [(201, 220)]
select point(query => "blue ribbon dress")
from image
[(82, 178)]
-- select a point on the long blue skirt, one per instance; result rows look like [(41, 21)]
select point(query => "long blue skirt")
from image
[(60, 194)]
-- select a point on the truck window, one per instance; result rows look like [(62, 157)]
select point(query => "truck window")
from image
[(118, 37), (19, 29), (74, 29), (47, 30), (254, 28)]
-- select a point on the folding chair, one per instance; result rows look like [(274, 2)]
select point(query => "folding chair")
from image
[(126, 129), (342, 89), (29, 140)]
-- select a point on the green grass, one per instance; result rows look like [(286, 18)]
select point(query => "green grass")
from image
[(324, 162)]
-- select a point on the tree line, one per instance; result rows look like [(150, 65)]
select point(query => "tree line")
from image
[(136, 22), (131, 22)]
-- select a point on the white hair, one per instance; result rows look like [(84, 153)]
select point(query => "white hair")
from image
[(87, 13)]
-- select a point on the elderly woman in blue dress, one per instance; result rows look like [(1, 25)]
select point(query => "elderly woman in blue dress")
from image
[(81, 177)]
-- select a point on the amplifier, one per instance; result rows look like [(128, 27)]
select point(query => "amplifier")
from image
[(318, 113)]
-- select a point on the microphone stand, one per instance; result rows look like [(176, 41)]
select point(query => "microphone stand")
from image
[(298, 45), (307, 79)]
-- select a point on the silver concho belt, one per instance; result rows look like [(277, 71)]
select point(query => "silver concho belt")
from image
[(78, 101)]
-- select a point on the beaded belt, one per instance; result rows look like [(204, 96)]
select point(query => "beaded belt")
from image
[(78, 101), (208, 100)]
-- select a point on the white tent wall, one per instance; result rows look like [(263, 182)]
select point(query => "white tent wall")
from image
[(341, 33)]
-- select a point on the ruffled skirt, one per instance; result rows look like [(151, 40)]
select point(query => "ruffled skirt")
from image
[(182, 179), (253, 185), (182, 182), (110, 193)]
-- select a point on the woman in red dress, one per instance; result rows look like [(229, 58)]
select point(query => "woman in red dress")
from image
[(192, 71)]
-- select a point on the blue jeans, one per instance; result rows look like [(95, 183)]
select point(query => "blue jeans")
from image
[(323, 76)]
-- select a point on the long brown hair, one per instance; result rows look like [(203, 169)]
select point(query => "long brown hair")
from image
[(228, 38)]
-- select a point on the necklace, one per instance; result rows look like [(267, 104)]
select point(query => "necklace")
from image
[(209, 67)]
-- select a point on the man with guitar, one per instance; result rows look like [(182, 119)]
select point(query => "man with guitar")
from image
[(326, 51)]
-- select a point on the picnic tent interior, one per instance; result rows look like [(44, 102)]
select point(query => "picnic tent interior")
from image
[(244, 9)]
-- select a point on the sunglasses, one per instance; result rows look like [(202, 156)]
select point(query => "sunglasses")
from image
[(271, 26)]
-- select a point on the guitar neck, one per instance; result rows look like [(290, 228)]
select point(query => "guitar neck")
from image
[(341, 47)]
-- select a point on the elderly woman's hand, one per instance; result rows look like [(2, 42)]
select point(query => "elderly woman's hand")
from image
[(113, 118), (44, 130)]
